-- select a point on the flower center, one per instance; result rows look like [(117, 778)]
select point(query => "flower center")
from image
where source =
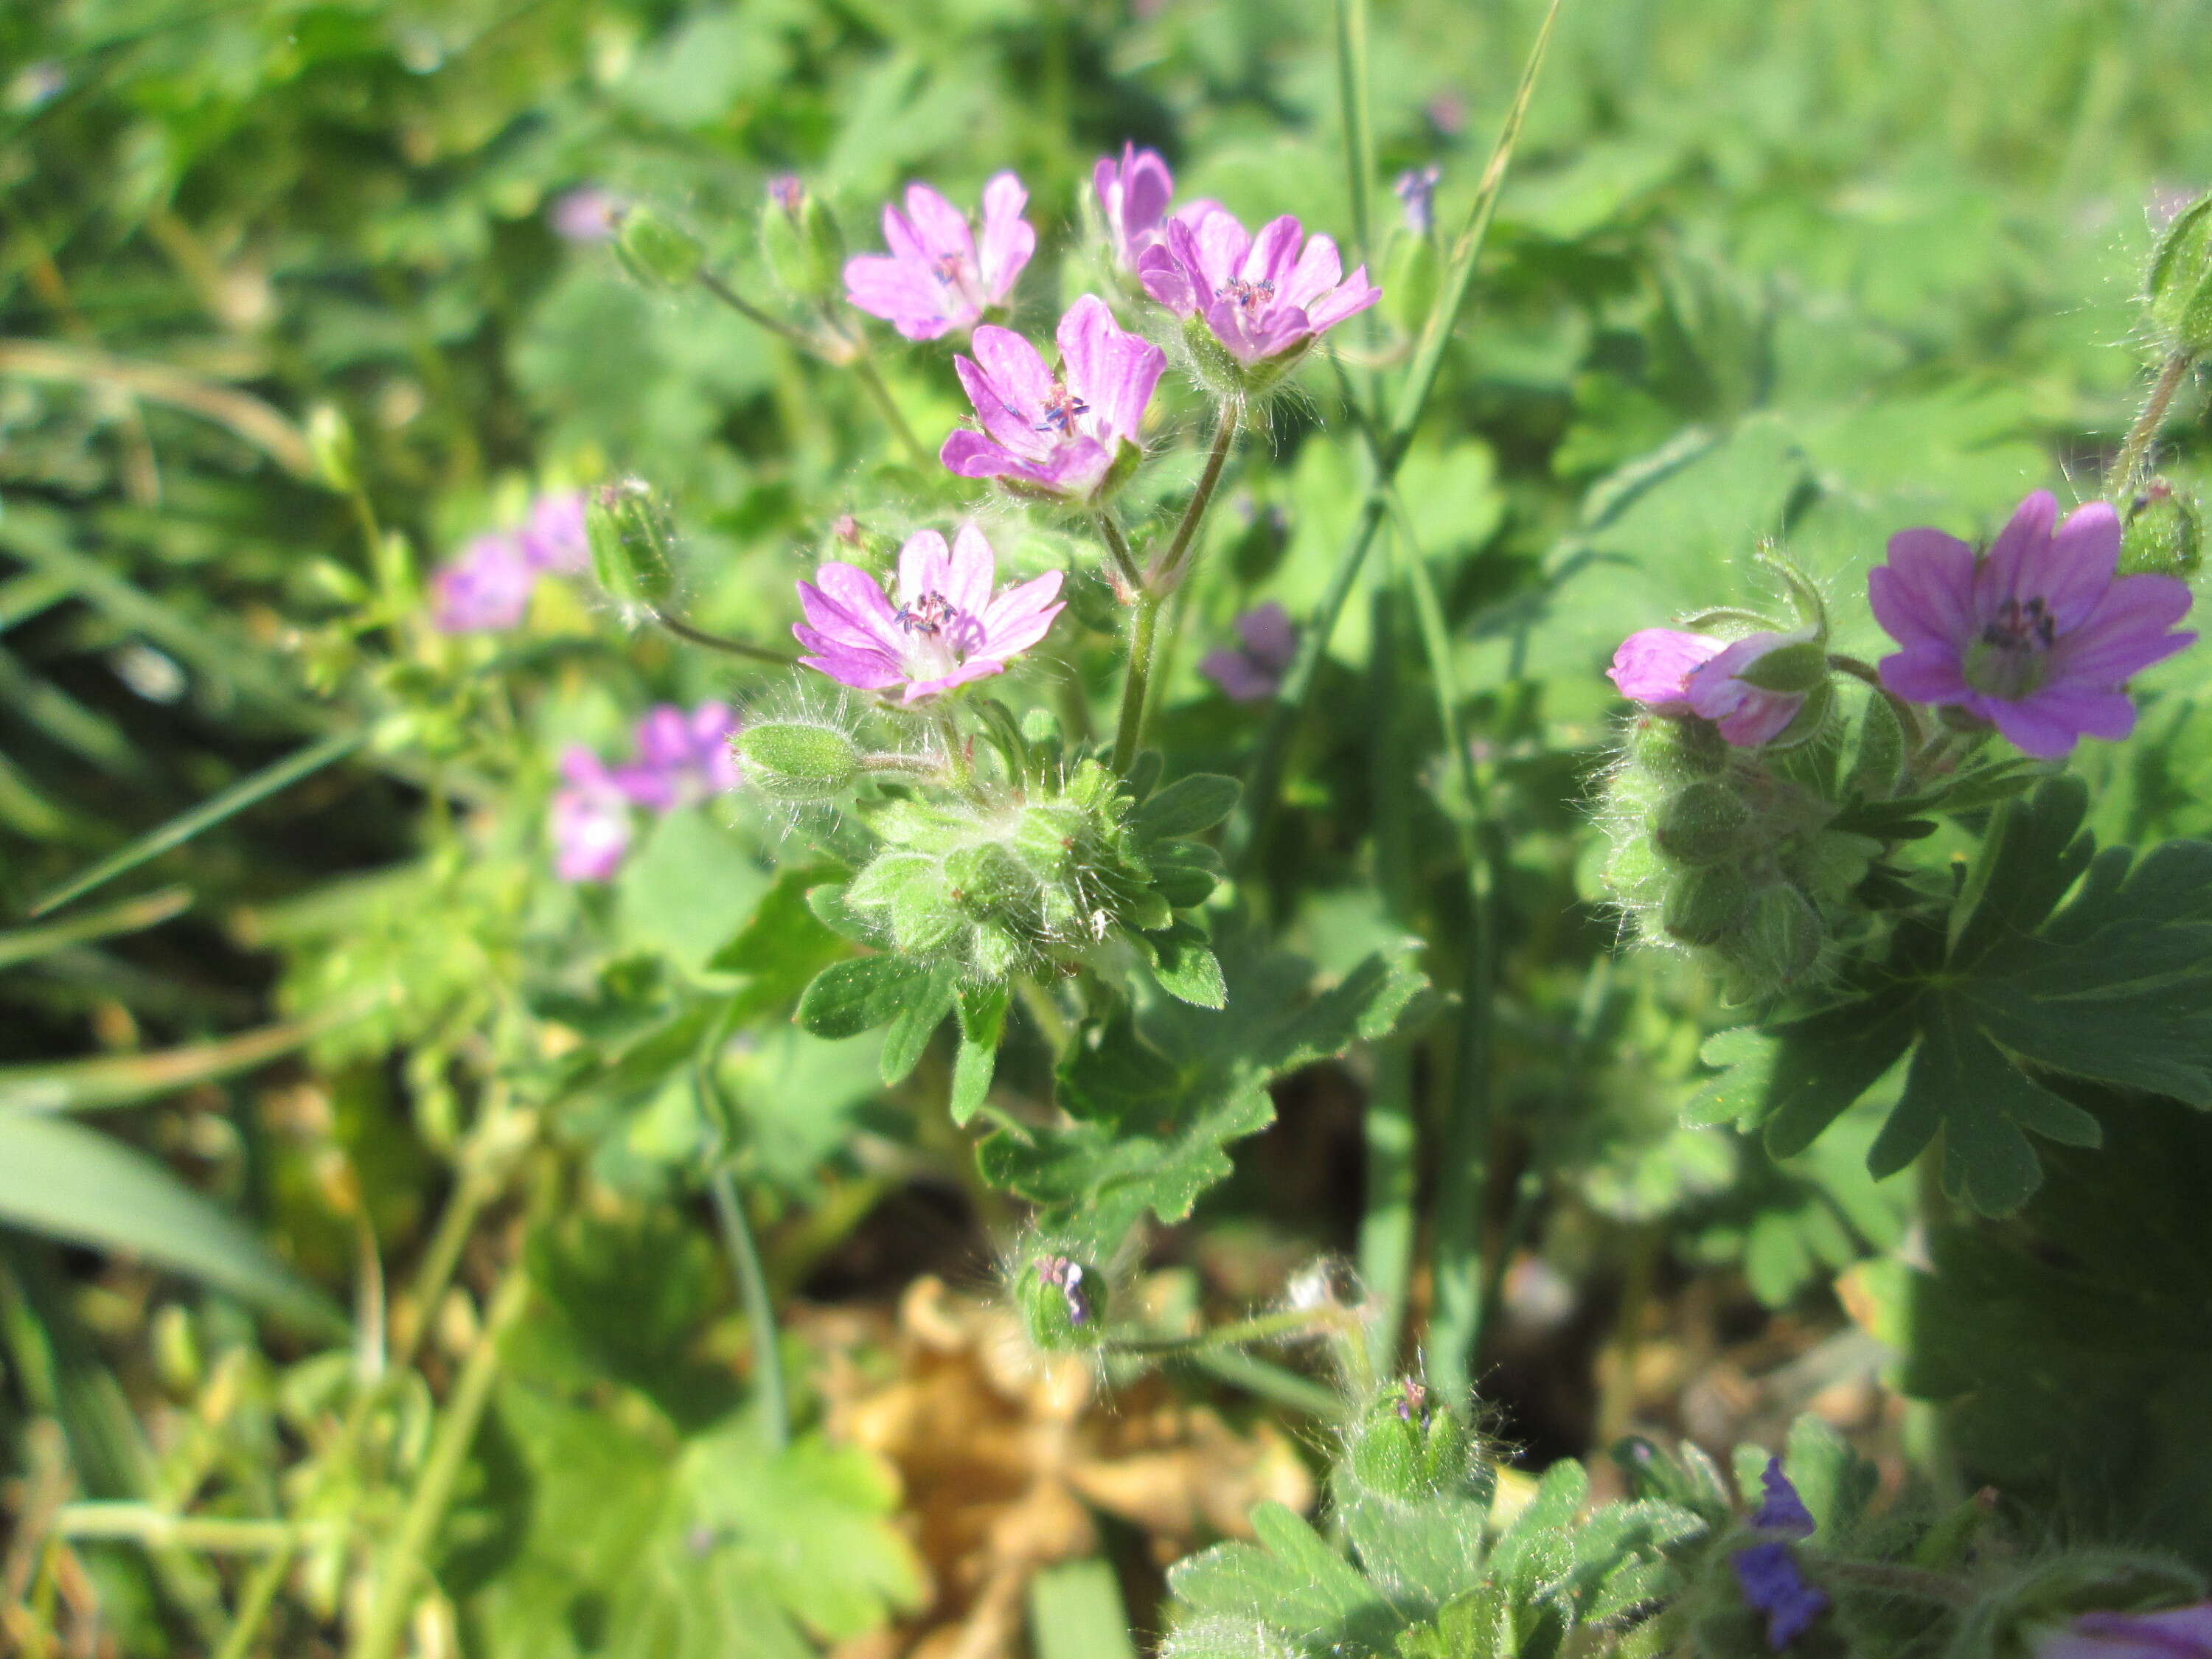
[(939, 635), (951, 272), (1250, 297), (1060, 409), (2012, 655)]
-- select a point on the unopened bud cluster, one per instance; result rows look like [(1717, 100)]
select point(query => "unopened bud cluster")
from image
[(1726, 852)]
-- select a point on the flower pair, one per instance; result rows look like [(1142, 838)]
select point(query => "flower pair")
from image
[(486, 589), (2037, 637), (679, 758)]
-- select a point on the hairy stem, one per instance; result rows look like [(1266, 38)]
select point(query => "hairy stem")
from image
[(1262, 1328), (752, 1290), (1136, 683), (2129, 466), (752, 314), (1170, 567), (684, 631), (1907, 716), (1129, 580)]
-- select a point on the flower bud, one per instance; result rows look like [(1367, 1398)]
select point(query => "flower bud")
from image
[(2180, 291), (1778, 944), (1703, 907), (797, 761), (630, 535), (988, 883), (656, 253), (1677, 750), (1702, 823), (1636, 875), (800, 240), (1409, 1446), (330, 440), (2164, 535), (876, 548), (1062, 1302)]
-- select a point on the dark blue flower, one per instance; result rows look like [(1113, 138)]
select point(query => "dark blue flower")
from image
[(1773, 1583)]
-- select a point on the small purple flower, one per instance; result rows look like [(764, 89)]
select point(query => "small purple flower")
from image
[(1674, 673), (485, 589), (1254, 670), (1263, 297), (2178, 1633), (937, 278), (1772, 1582), (587, 214), (1780, 1509), (681, 757), (1417, 189), (2038, 636), (590, 819), (1132, 197), (1070, 434), (555, 539), (789, 192), (947, 627)]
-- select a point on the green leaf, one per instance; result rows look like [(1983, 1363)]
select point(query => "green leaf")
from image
[(848, 997), (1290, 1579), (917, 1022), (982, 1011), (1187, 805), (781, 947), (1076, 1612), (59, 1178), (827, 905), (1184, 963), (1157, 1096)]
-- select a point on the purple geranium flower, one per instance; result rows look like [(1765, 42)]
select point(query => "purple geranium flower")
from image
[(2178, 1633), (937, 278), (1672, 672), (485, 589), (1254, 670), (1132, 196), (591, 823), (554, 539), (1070, 434), (587, 214), (1780, 1508), (681, 757), (1263, 297), (946, 628), (1416, 189), (2038, 636), (1776, 1585)]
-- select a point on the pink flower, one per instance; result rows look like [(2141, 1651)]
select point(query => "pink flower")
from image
[(485, 589), (553, 539), (590, 819), (1254, 670), (947, 627), (935, 278), (2178, 1633), (587, 214), (1263, 297), (1417, 189), (1071, 434), (1672, 672), (2038, 636), (1132, 197), (681, 757)]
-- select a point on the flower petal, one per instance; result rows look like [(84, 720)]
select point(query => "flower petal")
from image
[(1000, 408), (1009, 239), (924, 567), (1218, 244), (2127, 631), (1019, 617), (972, 570), (1272, 253), (2034, 726), (2077, 566), (941, 228), (2021, 547), (1653, 667), (1166, 281), (971, 455), (1930, 673), (975, 668), (902, 293), (1347, 299), (1924, 596)]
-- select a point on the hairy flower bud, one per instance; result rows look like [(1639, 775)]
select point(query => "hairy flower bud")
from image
[(2162, 533), (1062, 1302), (330, 440), (1676, 750), (1409, 1446), (800, 239), (1702, 823), (657, 253), (2180, 291), (1703, 907), (631, 535), (1779, 943), (797, 761)]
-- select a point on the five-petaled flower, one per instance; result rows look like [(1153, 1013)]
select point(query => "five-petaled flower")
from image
[(681, 756), (1072, 434), (937, 278), (1672, 672), (1132, 197), (485, 588), (2038, 636), (1263, 300), (946, 628), (590, 819), (1767, 1571), (1254, 670)]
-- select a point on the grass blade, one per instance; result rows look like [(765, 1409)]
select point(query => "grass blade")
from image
[(246, 792), (63, 1179), (23, 944), (76, 1085), (1076, 1612)]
